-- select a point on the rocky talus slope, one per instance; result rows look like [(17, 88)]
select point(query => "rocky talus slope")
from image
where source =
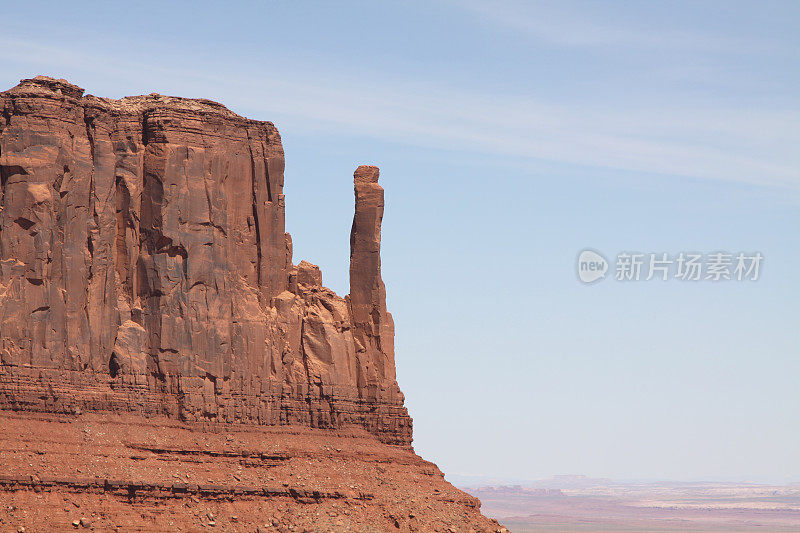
[(163, 363)]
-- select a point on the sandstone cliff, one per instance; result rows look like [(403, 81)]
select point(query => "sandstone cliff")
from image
[(145, 268)]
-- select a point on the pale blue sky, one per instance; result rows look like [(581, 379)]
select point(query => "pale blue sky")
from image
[(510, 136)]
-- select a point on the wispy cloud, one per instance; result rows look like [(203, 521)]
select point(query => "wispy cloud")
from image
[(555, 23), (747, 146)]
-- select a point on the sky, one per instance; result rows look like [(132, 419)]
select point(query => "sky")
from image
[(511, 136)]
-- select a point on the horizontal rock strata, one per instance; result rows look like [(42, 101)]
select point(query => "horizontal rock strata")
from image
[(112, 472), (144, 267)]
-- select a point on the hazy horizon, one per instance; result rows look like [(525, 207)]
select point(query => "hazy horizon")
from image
[(510, 137), (556, 480)]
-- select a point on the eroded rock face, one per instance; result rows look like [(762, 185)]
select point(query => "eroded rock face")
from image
[(144, 267)]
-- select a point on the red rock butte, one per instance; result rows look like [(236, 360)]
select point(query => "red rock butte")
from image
[(144, 267), (149, 304)]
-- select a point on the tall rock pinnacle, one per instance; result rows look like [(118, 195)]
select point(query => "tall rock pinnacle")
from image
[(373, 327)]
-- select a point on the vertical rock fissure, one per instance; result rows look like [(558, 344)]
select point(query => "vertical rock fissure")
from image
[(304, 359), (92, 227), (145, 137), (255, 211), (151, 288), (91, 207), (266, 174), (122, 199)]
